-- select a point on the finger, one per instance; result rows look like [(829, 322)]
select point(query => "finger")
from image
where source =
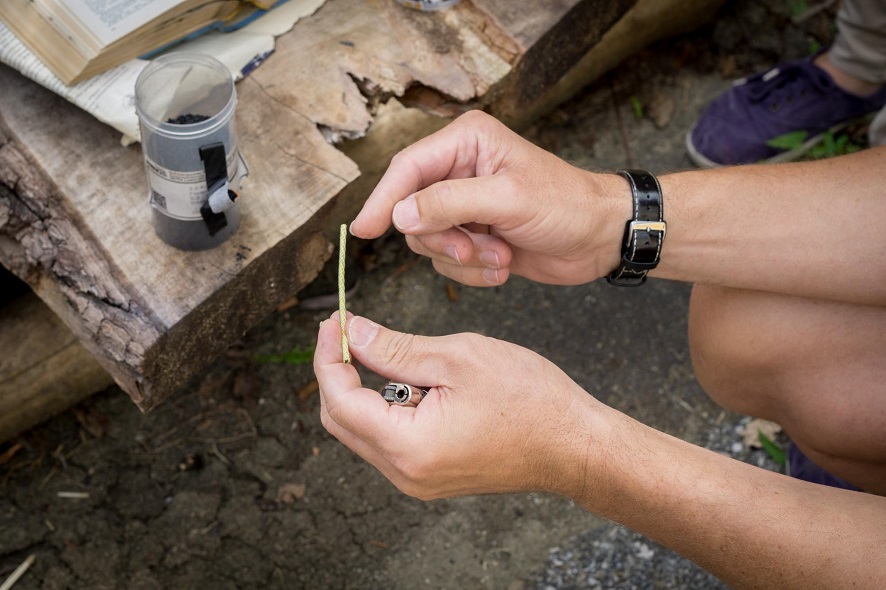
[(473, 276), (448, 153), (417, 360), (345, 436), (463, 248), (451, 245), (358, 410)]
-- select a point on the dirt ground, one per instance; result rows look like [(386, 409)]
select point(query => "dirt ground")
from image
[(235, 484)]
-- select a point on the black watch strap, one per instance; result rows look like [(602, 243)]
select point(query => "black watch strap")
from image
[(644, 234)]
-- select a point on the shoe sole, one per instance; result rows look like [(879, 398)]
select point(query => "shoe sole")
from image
[(789, 156)]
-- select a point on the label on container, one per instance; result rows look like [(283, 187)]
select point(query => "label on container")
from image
[(180, 194)]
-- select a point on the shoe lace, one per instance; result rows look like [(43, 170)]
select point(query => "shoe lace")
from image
[(780, 86)]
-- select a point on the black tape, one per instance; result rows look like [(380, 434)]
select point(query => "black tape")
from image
[(216, 167)]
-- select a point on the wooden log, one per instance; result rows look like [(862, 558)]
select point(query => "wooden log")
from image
[(646, 22), (43, 369)]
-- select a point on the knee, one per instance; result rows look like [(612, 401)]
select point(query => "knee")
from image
[(732, 357)]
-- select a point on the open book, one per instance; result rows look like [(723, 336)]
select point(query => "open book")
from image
[(77, 39)]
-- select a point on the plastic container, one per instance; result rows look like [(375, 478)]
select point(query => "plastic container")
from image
[(186, 102)]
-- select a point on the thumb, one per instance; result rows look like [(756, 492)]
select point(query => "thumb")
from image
[(407, 358)]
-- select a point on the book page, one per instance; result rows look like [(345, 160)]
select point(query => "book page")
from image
[(110, 97), (110, 20)]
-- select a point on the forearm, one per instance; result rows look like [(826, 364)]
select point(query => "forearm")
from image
[(750, 527), (812, 229)]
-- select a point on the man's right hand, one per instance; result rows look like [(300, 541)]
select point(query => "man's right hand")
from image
[(483, 202)]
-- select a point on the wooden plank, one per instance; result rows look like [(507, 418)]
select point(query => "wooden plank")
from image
[(43, 368)]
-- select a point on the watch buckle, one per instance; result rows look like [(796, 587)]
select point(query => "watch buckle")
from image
[(647, 226)]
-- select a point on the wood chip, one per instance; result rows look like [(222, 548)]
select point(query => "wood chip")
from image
[(287, 305), (93, 421), (306, 391), (290, 492), (73, 495), (451, 292), (660, 109), (10, 453)]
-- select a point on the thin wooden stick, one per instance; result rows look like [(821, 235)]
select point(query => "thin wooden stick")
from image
[(19, 572), (73, 495)]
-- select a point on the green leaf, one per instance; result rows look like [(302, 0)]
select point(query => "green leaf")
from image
[(296, 356), (637, 106), (817, 152), (788, 141), (772, 449), (830, 146)]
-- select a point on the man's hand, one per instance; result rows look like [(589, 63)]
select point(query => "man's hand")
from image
[(497, 418), (483, 202)]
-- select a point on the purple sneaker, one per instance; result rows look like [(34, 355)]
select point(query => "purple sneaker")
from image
[(795, 96), (799, 466)]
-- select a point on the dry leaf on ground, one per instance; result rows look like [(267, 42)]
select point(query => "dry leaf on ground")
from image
[(751, 432)]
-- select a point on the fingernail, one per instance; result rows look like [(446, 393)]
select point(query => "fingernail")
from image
[(489, 259), (452, 252), (361, 332), (490, 275), (406, 214)]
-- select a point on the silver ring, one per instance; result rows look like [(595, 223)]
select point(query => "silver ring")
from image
[(401, 394)]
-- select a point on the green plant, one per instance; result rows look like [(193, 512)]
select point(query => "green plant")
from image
[(833, 146), (829, 146), (637, 106), (788, 141), (296, 356), (773, 450)]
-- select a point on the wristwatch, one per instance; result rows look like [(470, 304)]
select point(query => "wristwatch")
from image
[(644, 234)]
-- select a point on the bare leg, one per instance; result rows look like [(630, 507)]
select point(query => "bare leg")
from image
[(817, 368)]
